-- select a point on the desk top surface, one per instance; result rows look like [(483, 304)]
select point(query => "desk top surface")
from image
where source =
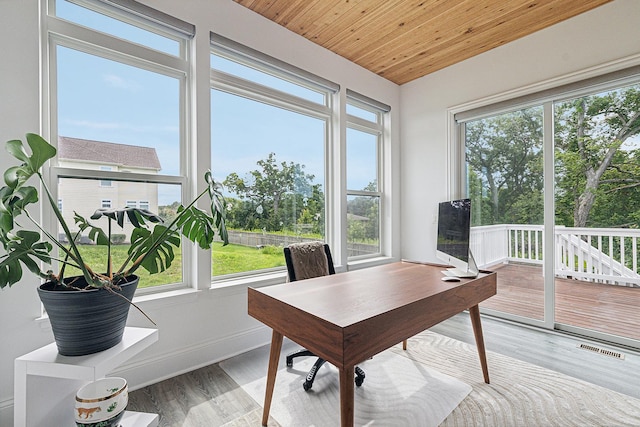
[(347, 298)]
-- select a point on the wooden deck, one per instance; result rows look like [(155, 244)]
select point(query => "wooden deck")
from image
[(604, 308)]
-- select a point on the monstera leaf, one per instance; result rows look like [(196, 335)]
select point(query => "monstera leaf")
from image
[(218, 206), (196, 225), (41, 150), (12, 203), (96, 234), (135, 215), (153, 250), (23, 248)]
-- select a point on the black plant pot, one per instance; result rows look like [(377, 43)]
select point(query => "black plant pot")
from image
[(86, 321)]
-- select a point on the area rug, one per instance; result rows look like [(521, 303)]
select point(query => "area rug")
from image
[(520, 394), (397, 391)]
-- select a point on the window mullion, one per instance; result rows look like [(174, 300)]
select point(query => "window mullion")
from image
[(63, 172), (247, 89), (110, 47)]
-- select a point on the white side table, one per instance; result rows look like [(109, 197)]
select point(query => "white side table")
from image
[(45, 382)]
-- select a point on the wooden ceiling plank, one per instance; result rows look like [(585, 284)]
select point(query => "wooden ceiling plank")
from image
[(295, 11), (462, 21), (321, 17), (405, 71), (518, 22), (349, 25), (402, 40), (259, 6), (376, 36)]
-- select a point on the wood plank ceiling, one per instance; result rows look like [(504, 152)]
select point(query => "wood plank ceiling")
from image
[(403, 40)]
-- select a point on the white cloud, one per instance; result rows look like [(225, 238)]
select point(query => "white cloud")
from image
[(121, 83)]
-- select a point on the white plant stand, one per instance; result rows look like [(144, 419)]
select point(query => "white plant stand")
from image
[(45, 382)]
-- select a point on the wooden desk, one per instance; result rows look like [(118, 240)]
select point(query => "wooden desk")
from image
[(349, 317)]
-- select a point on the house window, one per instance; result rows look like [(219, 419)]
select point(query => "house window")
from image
[(118, 86), (270, 132), (365, 131), (106, 182)]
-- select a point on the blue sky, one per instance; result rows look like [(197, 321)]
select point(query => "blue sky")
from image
[(105, 100)]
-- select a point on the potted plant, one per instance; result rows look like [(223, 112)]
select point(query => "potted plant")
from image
[(88, 312)]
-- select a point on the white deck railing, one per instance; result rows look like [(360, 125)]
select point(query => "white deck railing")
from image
[(603, 255)]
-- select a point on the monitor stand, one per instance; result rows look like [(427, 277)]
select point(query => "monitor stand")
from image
[(471, 272)]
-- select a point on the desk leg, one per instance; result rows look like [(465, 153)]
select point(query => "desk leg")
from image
[(346, 396), (474, 312), (274, 356)]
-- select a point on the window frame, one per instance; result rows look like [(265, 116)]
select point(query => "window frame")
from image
[(253, 91), (58, 32), (546, 98), (377, 129)]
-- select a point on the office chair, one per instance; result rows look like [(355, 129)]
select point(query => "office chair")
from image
[(305, 261)]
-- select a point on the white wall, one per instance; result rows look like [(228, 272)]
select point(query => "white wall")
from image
[(196, 328), (19, 113), (607, 34)]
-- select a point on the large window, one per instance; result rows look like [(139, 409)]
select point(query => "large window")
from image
[(364, 142), (554, 180), (269, 138), (118, 95), (118, 89)]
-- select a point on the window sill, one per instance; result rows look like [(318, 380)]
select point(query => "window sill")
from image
[(369, 262), (255, 281), (149, 301), (153, 301)]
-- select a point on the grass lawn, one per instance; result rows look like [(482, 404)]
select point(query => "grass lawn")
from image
[(236, 258), (226, 260)]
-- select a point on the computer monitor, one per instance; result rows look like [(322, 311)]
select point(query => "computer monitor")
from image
[(454, 230)]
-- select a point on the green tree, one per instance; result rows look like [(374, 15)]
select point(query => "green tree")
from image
[(504, 155), (363, 219), (265, 191), (168, 212), (592, 164)]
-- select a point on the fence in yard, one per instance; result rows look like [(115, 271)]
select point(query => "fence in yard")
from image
[(258, 240)]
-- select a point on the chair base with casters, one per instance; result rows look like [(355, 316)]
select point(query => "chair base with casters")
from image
[(311, 376), (320, 249)]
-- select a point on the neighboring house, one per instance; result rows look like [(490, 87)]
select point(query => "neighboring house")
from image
[(85, 196)]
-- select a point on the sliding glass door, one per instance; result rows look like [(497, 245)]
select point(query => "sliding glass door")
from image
[(555, 189), (597, 211), (504, 156)]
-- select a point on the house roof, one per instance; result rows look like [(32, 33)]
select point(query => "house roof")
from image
[(107, 153), (402, 40)]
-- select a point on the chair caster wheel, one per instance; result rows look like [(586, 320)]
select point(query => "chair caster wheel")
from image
[(307, 386), (359, 376)]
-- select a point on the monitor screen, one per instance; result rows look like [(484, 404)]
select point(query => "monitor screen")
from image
[(454, 229)]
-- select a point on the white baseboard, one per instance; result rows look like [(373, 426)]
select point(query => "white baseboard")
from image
[(143, 372), (150, 370), (6, 412)]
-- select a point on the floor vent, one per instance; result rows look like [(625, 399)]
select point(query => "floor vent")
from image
[(599, 350)]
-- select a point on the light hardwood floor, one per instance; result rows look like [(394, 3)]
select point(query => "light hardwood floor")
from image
[(604, 308), (209, 397)]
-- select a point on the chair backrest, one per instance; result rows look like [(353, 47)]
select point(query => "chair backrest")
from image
[(300, 257)]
